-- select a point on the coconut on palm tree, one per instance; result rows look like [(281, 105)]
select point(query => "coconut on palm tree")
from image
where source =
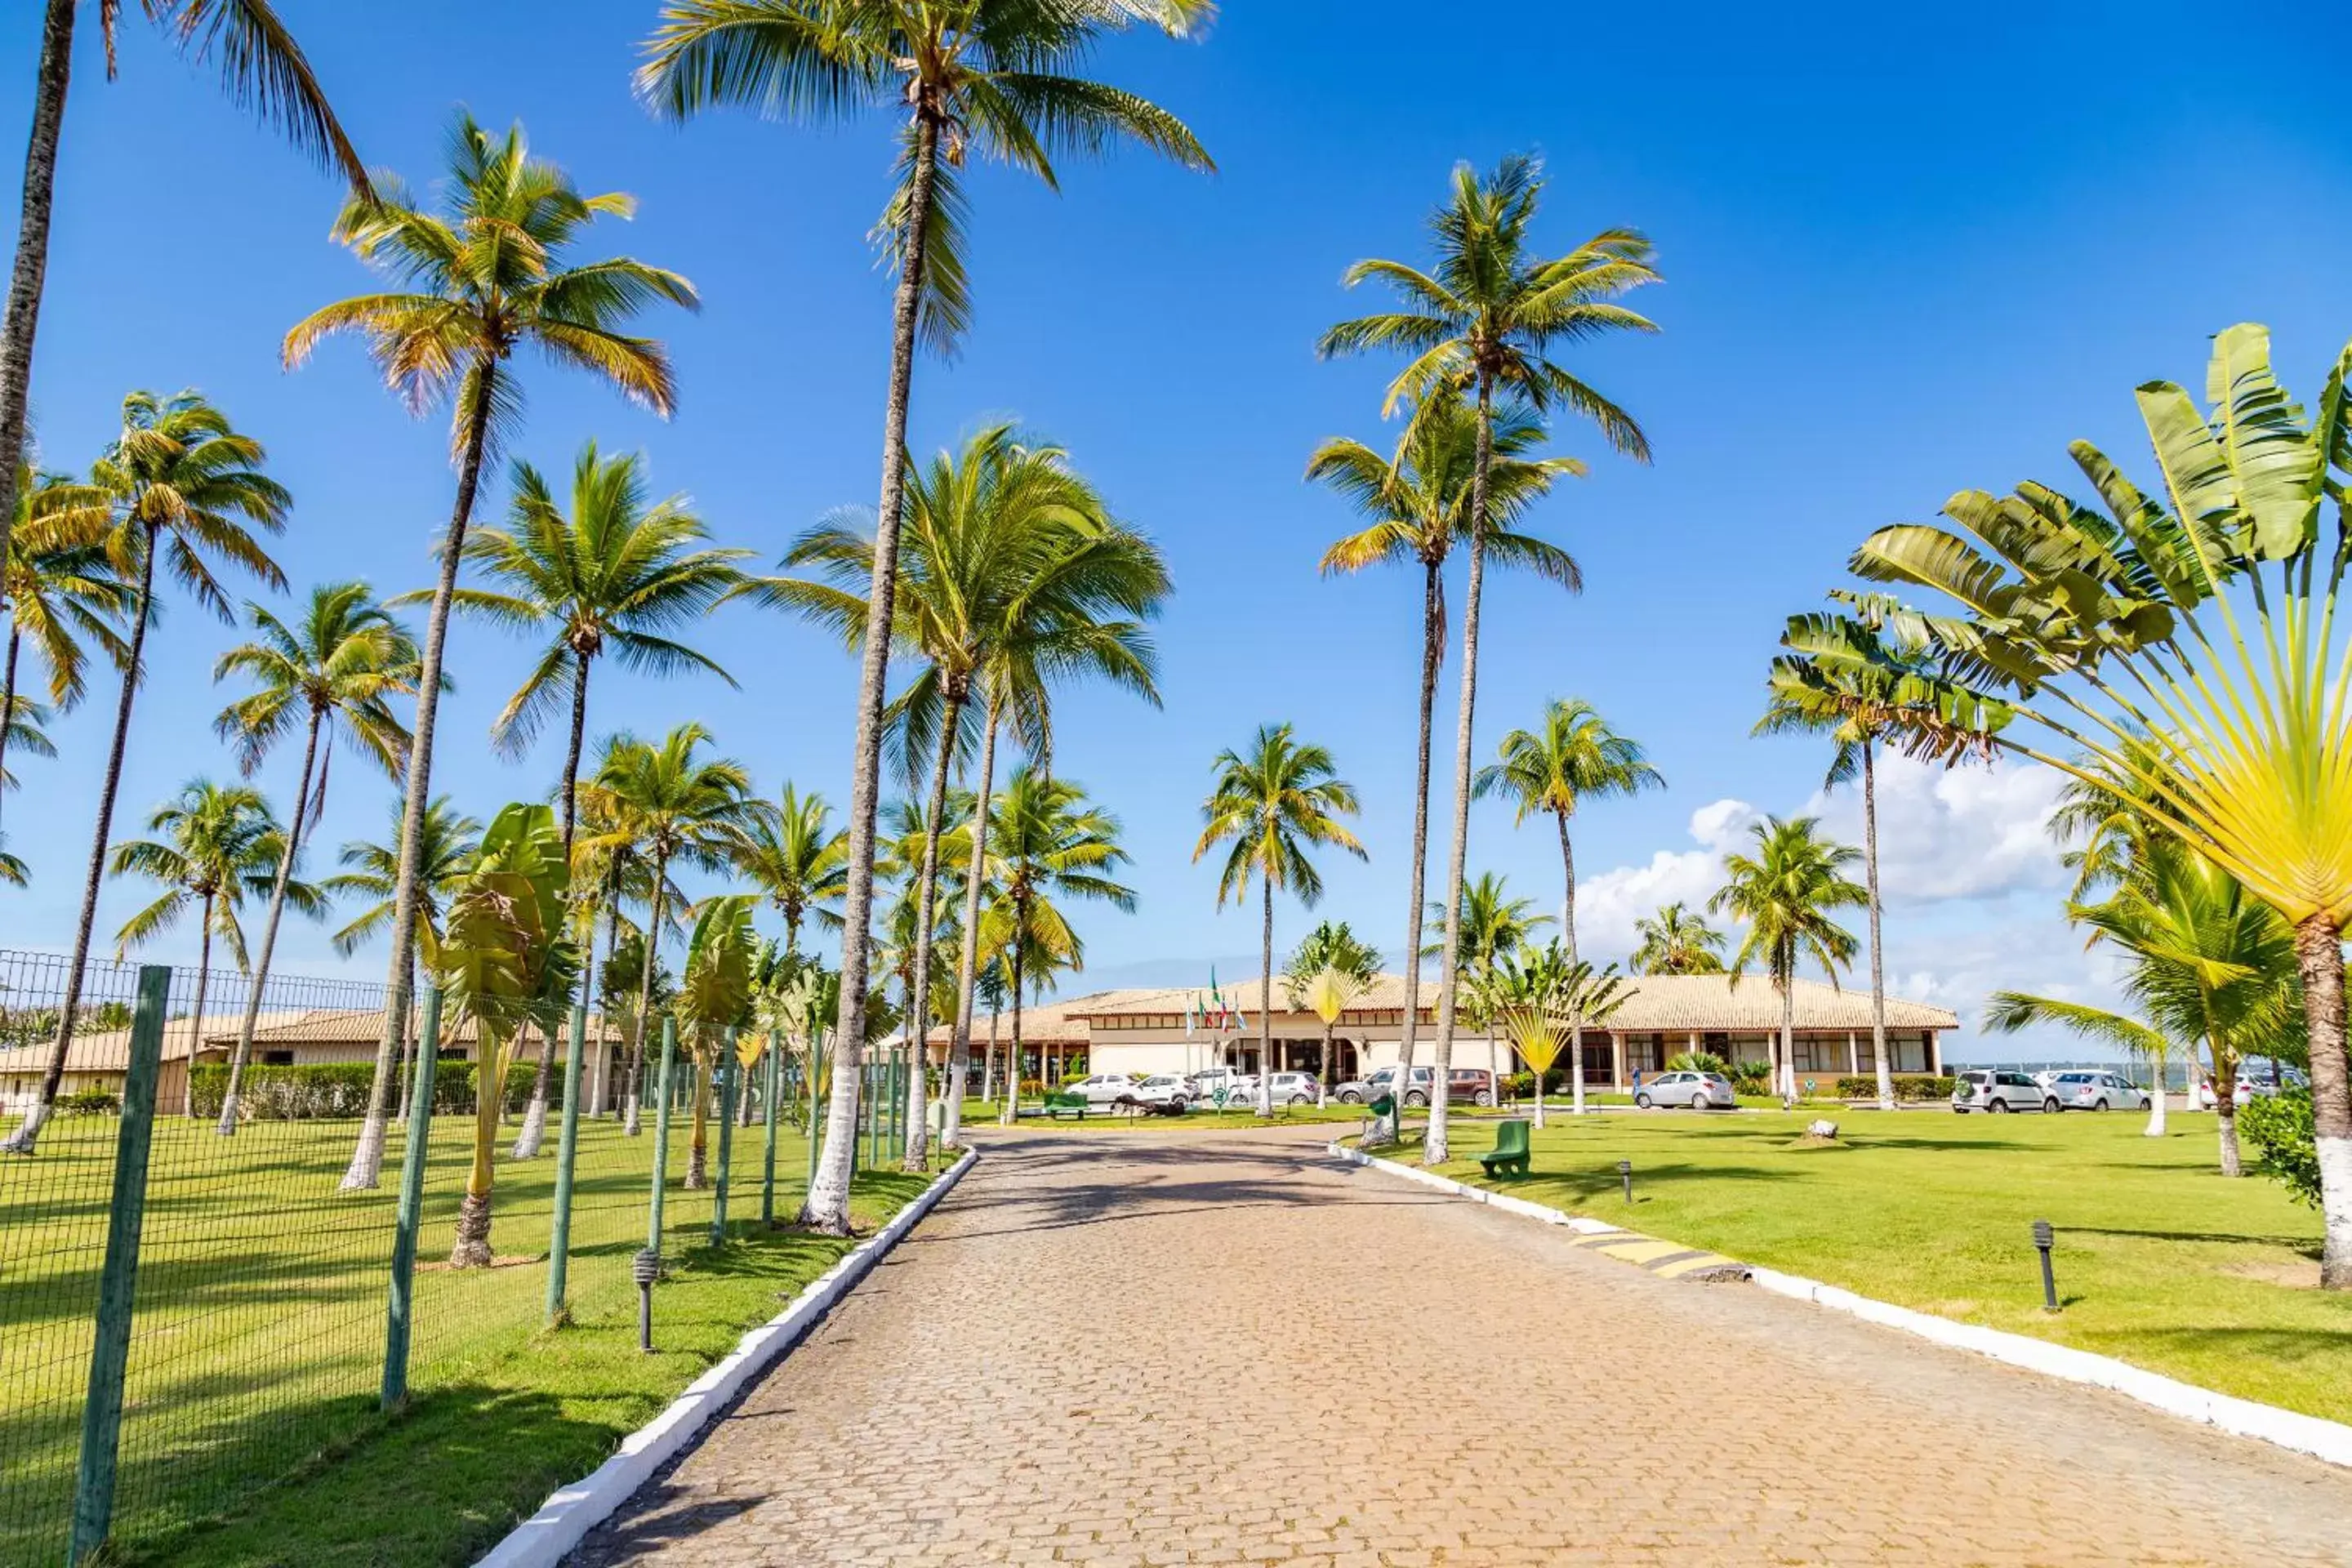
[(262, 69), (1573, 758), (1012, 576), (61, 590), (488, 273), (1046, 848), (669, 804), (994, 77), (1272, 802), (181, 486), (216, 845), (1417, 500), (1787, 891), (1329, 972), (1675, 940), (1482, 323), (331, 674)]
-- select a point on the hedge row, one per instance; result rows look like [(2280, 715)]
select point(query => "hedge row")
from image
[(1910, 1089), (330, 1089)]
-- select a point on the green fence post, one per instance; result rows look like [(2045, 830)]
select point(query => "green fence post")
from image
[(661, 1135), (567, 1147), (410, 1214), (899, 1104), (768, 1159), (109, 1351), (730, 1068), (815, 1072)]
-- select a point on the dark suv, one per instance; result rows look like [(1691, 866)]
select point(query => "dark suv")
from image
[(1476, 1085)]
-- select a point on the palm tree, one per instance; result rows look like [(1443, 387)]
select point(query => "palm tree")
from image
[(1013, 574), (1676, 942), (331, 674), (1785, 891), (1543, 998), (1046, 845), (484, 276), (667, 804), (1483, 322), (1329, 972), (216, 846), (990, 75), (1274, 801), (448, 845), (262, 69), (714, 997), (793, 855), (2205, 962), (1418, 502), (60, 588), (181, 484), (1575, 757), (1494, 925)]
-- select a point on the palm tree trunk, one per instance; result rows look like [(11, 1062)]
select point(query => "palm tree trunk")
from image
[(1568, 895), (407, 1071), (23, 308), (1434, 1147), (1432, 655), (1323, 1070), (8, 691), (1011, 1110), (367, 1157), (2319, 950), (632, 1080), (1576, 1071), (992, 1067), (238, 1057), (534, 1115), (472, 1247), (1266, 1000), (2155, 1128), (827, 1208), (918, 1020), (1877, 958), (697, 1148), (968, 961), (1786, 1079), (196, 1019), (22, 1140)]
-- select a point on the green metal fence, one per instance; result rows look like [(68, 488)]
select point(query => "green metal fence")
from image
[(186, 1314)]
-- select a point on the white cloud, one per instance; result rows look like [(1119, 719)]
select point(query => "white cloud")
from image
[(1955, 833), (1607, 905)]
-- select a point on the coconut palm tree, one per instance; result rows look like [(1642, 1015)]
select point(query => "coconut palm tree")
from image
[(1047, 846), (1012, 576), (794, 855), (2151, 622), (181, 485), (714, 996), (446, 850), (61, 589), (1544, 999), (503, 961), (1493, 925), (1417, 501), (2205, 963), (1272, 801), (669, 805), (216, 846), (1328, 973), (1676, 942), (1574, 757), (990, 77), (1786, 892), (262, 69), (1482, 322), (329, 675), (488, 273)]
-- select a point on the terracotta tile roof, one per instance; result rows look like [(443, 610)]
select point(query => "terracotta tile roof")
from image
[(109, 1050)]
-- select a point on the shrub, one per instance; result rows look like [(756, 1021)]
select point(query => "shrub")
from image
[(1751, 1077), (2280, 1127), (330, 1089), (1698, 1061), (90, 1103)]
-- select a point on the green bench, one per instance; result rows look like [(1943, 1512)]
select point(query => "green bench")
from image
[(1509, 1155), (1057, 1102)]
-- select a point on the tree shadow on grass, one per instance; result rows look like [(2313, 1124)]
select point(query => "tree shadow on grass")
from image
[(2303, 1244)]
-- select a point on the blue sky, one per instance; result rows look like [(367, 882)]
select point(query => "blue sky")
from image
[(1902, 257)]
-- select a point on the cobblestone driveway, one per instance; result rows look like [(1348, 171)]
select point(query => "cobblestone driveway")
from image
[(1142, 1349)]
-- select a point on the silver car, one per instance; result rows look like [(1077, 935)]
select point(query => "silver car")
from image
[(2081, 1089), (1999, 1091), (1363, 1093), (1698, 1091)]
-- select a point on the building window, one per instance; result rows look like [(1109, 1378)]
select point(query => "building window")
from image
[(277, 1058), (1907, 1055)]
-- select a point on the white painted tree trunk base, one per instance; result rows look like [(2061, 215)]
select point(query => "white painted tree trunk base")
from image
[(534, 1130), (367, 1158), (2335, 1208), (23, 1140)]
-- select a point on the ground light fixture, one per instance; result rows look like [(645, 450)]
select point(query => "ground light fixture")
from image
[(2042, 1238), (1626, 1175), (646, 1267)]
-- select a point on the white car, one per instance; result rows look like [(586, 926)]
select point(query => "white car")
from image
[(1165, 1089), (1205, 1084), (2082, 1089), (1104, 1087), (1699, 1090)]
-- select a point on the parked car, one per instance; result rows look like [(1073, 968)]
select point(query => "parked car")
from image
[(1474, 1086), (1167, 1088), (1999, 1091), (2249, 1087), (1209, 1081), (2085, 1088), (1104, 1087), (1698, 1091), (1416, 1093)]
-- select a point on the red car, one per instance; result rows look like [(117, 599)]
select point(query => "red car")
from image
[(1473, 1085)]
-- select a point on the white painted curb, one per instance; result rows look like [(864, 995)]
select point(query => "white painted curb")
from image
[(2322, 1439), (570, 1512)]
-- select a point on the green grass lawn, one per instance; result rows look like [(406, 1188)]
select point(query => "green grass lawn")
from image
[(2161, 1262), (257, 1341)]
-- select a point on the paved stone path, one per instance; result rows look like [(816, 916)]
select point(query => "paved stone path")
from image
[(1143, 1349)]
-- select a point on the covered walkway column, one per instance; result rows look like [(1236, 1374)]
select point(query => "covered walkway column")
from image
[(1617, 1061)]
